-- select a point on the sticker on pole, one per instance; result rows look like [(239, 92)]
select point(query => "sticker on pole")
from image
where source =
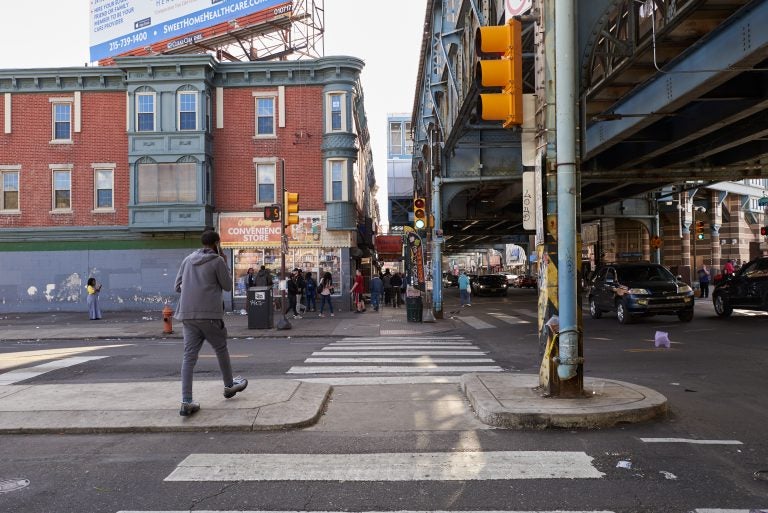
[(516, 8)]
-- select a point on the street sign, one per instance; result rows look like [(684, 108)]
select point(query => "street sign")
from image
[(516, 7), (529, 195)]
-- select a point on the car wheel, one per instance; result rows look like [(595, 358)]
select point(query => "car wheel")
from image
[(721, 307), (685, 315), (622, 314), (594, 311)]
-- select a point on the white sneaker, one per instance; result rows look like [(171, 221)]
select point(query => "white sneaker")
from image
[(298, 317), (331, 315), (321, 315)]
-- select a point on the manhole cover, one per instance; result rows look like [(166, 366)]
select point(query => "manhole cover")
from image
[(13, 484)]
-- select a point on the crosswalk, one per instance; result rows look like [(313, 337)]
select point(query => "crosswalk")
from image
[(422, 359), (485, 320)]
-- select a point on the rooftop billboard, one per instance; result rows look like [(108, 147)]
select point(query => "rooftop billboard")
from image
[(119, 26)]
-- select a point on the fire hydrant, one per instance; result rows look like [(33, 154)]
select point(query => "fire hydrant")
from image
[(167, 319)]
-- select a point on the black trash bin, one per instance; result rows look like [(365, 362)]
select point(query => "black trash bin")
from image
[(259, 308), (413, 308)]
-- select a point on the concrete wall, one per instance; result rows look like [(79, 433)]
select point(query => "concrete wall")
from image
[(46, 281)]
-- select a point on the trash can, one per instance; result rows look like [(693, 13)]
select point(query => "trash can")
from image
[(413, 308), (259, 307)]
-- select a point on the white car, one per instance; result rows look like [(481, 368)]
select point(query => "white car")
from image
[(511, 279)]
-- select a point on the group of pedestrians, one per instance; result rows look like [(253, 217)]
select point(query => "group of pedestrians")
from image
[(303, 286)]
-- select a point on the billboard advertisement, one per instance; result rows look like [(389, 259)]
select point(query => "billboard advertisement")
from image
[(119, 26)]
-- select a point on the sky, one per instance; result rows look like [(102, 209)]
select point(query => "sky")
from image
[(386, 35)]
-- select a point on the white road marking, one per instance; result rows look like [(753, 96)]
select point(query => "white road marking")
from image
[(430, 466), (383, 369), (384, 380), (421, 359), (14, 376), (250, 511), (378, 347), (691, 441), (378, 352), (475, 322), (509, 319)]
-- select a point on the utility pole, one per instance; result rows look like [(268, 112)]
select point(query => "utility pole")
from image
[(284, 323)]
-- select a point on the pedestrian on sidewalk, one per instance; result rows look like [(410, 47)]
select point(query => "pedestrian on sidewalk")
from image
[(292, 289), (464, 289), (201, 280), (311, 292), (704, 280), (263, 277), (397, 283), (357, 292), (93, 288), (377, 287), (301, 285), (387, 280), (250, 279), (326, 290)]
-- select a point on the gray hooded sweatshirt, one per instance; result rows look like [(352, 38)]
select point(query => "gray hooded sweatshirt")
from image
[(202, 277)]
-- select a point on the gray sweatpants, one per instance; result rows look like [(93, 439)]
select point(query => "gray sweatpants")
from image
[(195, 332)]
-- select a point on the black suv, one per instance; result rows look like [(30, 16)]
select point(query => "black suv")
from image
[(746, 289), (639, 289), (489, 284)]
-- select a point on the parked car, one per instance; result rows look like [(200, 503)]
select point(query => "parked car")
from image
[(489, 284), (511, 279), (449, 280), (526, 281), (639, 289), (747, 289)]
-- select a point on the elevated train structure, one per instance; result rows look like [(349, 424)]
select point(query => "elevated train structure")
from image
[(672, 103)]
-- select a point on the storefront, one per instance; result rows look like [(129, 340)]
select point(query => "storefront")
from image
[(255, 242)]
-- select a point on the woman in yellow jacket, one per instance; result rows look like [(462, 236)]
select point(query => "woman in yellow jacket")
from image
[(94, 312)]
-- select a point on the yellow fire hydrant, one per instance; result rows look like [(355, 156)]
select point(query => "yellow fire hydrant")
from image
[(167, 319)]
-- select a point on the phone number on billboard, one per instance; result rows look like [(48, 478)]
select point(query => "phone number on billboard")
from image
[(127, 41)]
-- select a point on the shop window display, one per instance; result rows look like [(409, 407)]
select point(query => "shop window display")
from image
[(314, 260)]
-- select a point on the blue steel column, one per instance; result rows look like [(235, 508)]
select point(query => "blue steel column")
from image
[(437, 253), (565, 95)]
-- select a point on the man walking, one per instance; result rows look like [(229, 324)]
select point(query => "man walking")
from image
[(377, 286), (387, 281), (464, 290), (202, 277), (292, 290), (396, 282)]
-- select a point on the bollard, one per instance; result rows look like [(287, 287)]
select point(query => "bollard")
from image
[(167, 319)]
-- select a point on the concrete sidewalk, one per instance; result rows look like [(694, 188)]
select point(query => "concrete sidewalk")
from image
[(505, 399)]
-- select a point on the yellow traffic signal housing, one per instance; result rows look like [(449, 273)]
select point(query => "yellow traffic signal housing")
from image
[(419, 213), (291, 208), (506, 73), (700, 230)]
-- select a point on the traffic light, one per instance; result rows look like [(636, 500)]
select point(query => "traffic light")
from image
[(506, 73), (700, 230), (419, 213), (764, 231), (272, 212), (291, 208)]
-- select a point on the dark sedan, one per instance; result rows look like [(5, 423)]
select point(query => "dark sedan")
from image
[(489, 284), (747, 289)]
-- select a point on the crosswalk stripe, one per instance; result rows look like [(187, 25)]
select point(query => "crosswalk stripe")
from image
[(509, 319), (421, 359), (384, 380), (475, 322), (17, 375), (691, 441), (548, 511), (376, 352), (433, 337), (367, 369), (426, 342), (430, 466), (377, 347)]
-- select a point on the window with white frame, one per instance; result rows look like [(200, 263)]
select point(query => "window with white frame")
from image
[(408, 139), (208, 126), (265, 116), (166, 183), (336, 180), (187, 108), (62, 121), (336, 112), (104, 187), (145, 112), (265, 182), (395, 138), (62, 189), (9, 186)]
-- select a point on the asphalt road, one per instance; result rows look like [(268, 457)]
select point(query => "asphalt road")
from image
[(705, 454)]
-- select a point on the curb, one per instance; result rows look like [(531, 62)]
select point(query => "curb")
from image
[(522, 406)]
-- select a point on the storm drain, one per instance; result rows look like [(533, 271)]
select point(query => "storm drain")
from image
[(13, 484)]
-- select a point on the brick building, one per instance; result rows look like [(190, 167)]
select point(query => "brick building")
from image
[(114, 172)]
